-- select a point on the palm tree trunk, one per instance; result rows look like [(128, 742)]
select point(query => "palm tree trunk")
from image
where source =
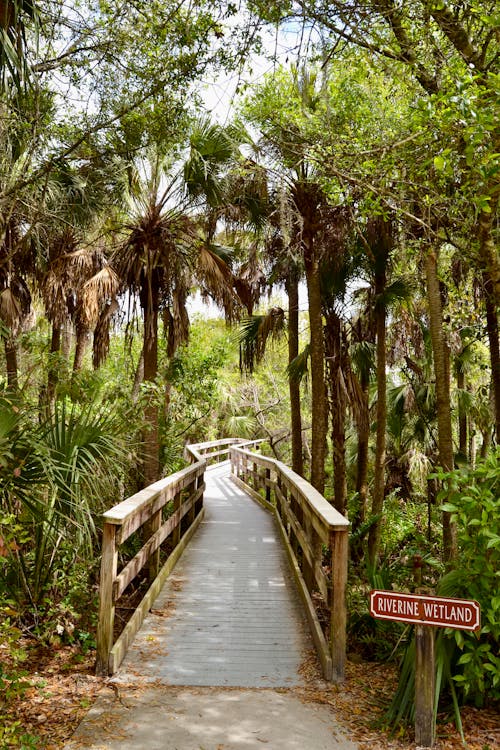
[(462, 417), (292, 290), (338, 408), (11, 362), (441, 373), (493, 339), (150, 347), (379, 473), (317, 354), (53, 369), (361, 487), (82, 340)]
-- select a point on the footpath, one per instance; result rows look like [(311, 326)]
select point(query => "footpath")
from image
[(217, 663)]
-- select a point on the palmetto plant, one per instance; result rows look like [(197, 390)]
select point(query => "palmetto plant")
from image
[(52, 476)]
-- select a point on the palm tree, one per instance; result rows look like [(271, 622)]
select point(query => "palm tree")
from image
[(163, 252)]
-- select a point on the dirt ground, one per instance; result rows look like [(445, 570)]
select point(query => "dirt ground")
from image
[(60, 687)]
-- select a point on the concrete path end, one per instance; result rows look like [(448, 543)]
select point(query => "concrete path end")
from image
[(172, 718)]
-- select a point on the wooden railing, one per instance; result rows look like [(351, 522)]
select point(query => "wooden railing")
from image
[(168, 511), (316, 538), (214, 451)]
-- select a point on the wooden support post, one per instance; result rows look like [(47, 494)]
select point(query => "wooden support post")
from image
[(339, 545), (176, 535), (151, 527), (109, 567), (267, 484), (190, 492), (424, 685)]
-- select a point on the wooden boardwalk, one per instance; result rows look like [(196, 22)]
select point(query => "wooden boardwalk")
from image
[(229, 615)]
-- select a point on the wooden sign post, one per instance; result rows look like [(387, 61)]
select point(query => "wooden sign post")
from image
[(425, 612)]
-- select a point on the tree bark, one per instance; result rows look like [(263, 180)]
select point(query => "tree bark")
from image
[(443, 408), (494, 345), (11, 363), (292, 290), (82, 340), (151, 442), (381, 415), (318, 391), (462, 417), (53, 369), (338, 408)]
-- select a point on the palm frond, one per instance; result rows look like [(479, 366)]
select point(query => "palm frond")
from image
[(255, 333), (298, 368), (100, 289), (10, 309)]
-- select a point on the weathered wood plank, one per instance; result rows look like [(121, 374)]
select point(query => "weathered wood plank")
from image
[(109, 563), (134, 504), (340, 550), (135, 565), (120, 647)]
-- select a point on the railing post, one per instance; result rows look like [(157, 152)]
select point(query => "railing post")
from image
[(109, 566), (153, 525), (176, 534), (339, 542)]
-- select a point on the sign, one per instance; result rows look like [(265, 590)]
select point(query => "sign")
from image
[(461, 614)]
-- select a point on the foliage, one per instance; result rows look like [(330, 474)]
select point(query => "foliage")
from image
[(467, 664), (473, 498)]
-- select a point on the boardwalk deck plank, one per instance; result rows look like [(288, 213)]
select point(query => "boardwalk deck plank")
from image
[(229, 615)]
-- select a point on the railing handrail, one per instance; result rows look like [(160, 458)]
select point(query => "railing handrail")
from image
[(198, 452), (316, 523), (309, 526), (121, 512), (329, 515), (144, 510)]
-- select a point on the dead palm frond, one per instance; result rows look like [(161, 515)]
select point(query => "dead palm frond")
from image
[(101, 332), (10, 309), (100, 289)]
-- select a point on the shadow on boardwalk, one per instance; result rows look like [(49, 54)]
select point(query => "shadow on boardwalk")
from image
[(228, 619)]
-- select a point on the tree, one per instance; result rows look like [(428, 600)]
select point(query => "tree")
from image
[(163, 251), (451, 51)]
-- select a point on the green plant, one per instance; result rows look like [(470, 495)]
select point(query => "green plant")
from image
[(473, 499), (467, 664)]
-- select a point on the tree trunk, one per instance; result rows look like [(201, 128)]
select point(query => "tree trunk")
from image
[(317, 353), (53, 368), (441, 373), (363, 429), (151, 441), (292, 290), (338, 408), (462, 417), (493, 339), (11, 362), (381, 416), (82, 340)]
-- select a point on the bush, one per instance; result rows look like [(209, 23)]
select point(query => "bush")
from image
[(473, 499)]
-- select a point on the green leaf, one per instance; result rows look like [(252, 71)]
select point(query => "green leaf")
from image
[(439, 163)]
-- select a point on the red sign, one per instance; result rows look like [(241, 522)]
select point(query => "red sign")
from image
[(461, 614)]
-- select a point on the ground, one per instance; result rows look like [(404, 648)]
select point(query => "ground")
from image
[(60, 686)]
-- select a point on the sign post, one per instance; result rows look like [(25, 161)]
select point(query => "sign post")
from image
[(425, 612)]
